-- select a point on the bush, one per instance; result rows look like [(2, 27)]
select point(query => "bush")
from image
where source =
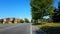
[(7, 21), (51, 30), (21, 21), (1, 20), (26, 20)]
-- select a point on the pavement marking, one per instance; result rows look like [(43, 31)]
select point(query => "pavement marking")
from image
[(30, 28)]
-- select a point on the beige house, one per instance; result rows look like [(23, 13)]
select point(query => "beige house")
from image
[(17, 20), (4, 20), (9, 20)]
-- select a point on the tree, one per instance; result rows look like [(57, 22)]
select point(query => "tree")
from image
[(1, 20), (56, 14), (21, 21), (59, 7), (26, 20), (13, 20), (41, 8)]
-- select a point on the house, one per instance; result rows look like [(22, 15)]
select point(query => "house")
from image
[(11, 20), (17, 20)]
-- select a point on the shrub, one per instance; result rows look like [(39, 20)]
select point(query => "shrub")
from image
[(21, 21), (26, 20)]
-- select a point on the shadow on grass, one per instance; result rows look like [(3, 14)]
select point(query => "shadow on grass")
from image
[(51, 30), (48, 30), (40, 32)]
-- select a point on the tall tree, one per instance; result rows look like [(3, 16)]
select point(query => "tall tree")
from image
[(56, 14), (59, 7), (40, 8)]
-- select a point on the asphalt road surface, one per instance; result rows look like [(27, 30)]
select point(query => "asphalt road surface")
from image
[(15, 28)]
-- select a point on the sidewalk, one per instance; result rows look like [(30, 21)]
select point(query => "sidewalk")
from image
[(36, 30)]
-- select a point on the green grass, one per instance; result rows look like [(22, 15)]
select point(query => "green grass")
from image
[(49, 25), (50, 28)]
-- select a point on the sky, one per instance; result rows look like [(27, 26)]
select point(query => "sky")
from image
[(56, 3), (17, 8)]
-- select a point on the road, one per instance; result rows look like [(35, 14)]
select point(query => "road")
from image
[(21, 28), (15, 28)]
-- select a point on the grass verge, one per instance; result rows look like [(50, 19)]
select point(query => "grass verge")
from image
[(49, 25)]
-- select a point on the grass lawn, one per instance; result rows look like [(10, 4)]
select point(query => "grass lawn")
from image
[(49, 25)]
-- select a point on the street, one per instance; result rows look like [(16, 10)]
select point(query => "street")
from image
[(21, 28), (15, 28)]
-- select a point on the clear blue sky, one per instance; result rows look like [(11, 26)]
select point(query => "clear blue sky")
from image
[(16, 8)]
